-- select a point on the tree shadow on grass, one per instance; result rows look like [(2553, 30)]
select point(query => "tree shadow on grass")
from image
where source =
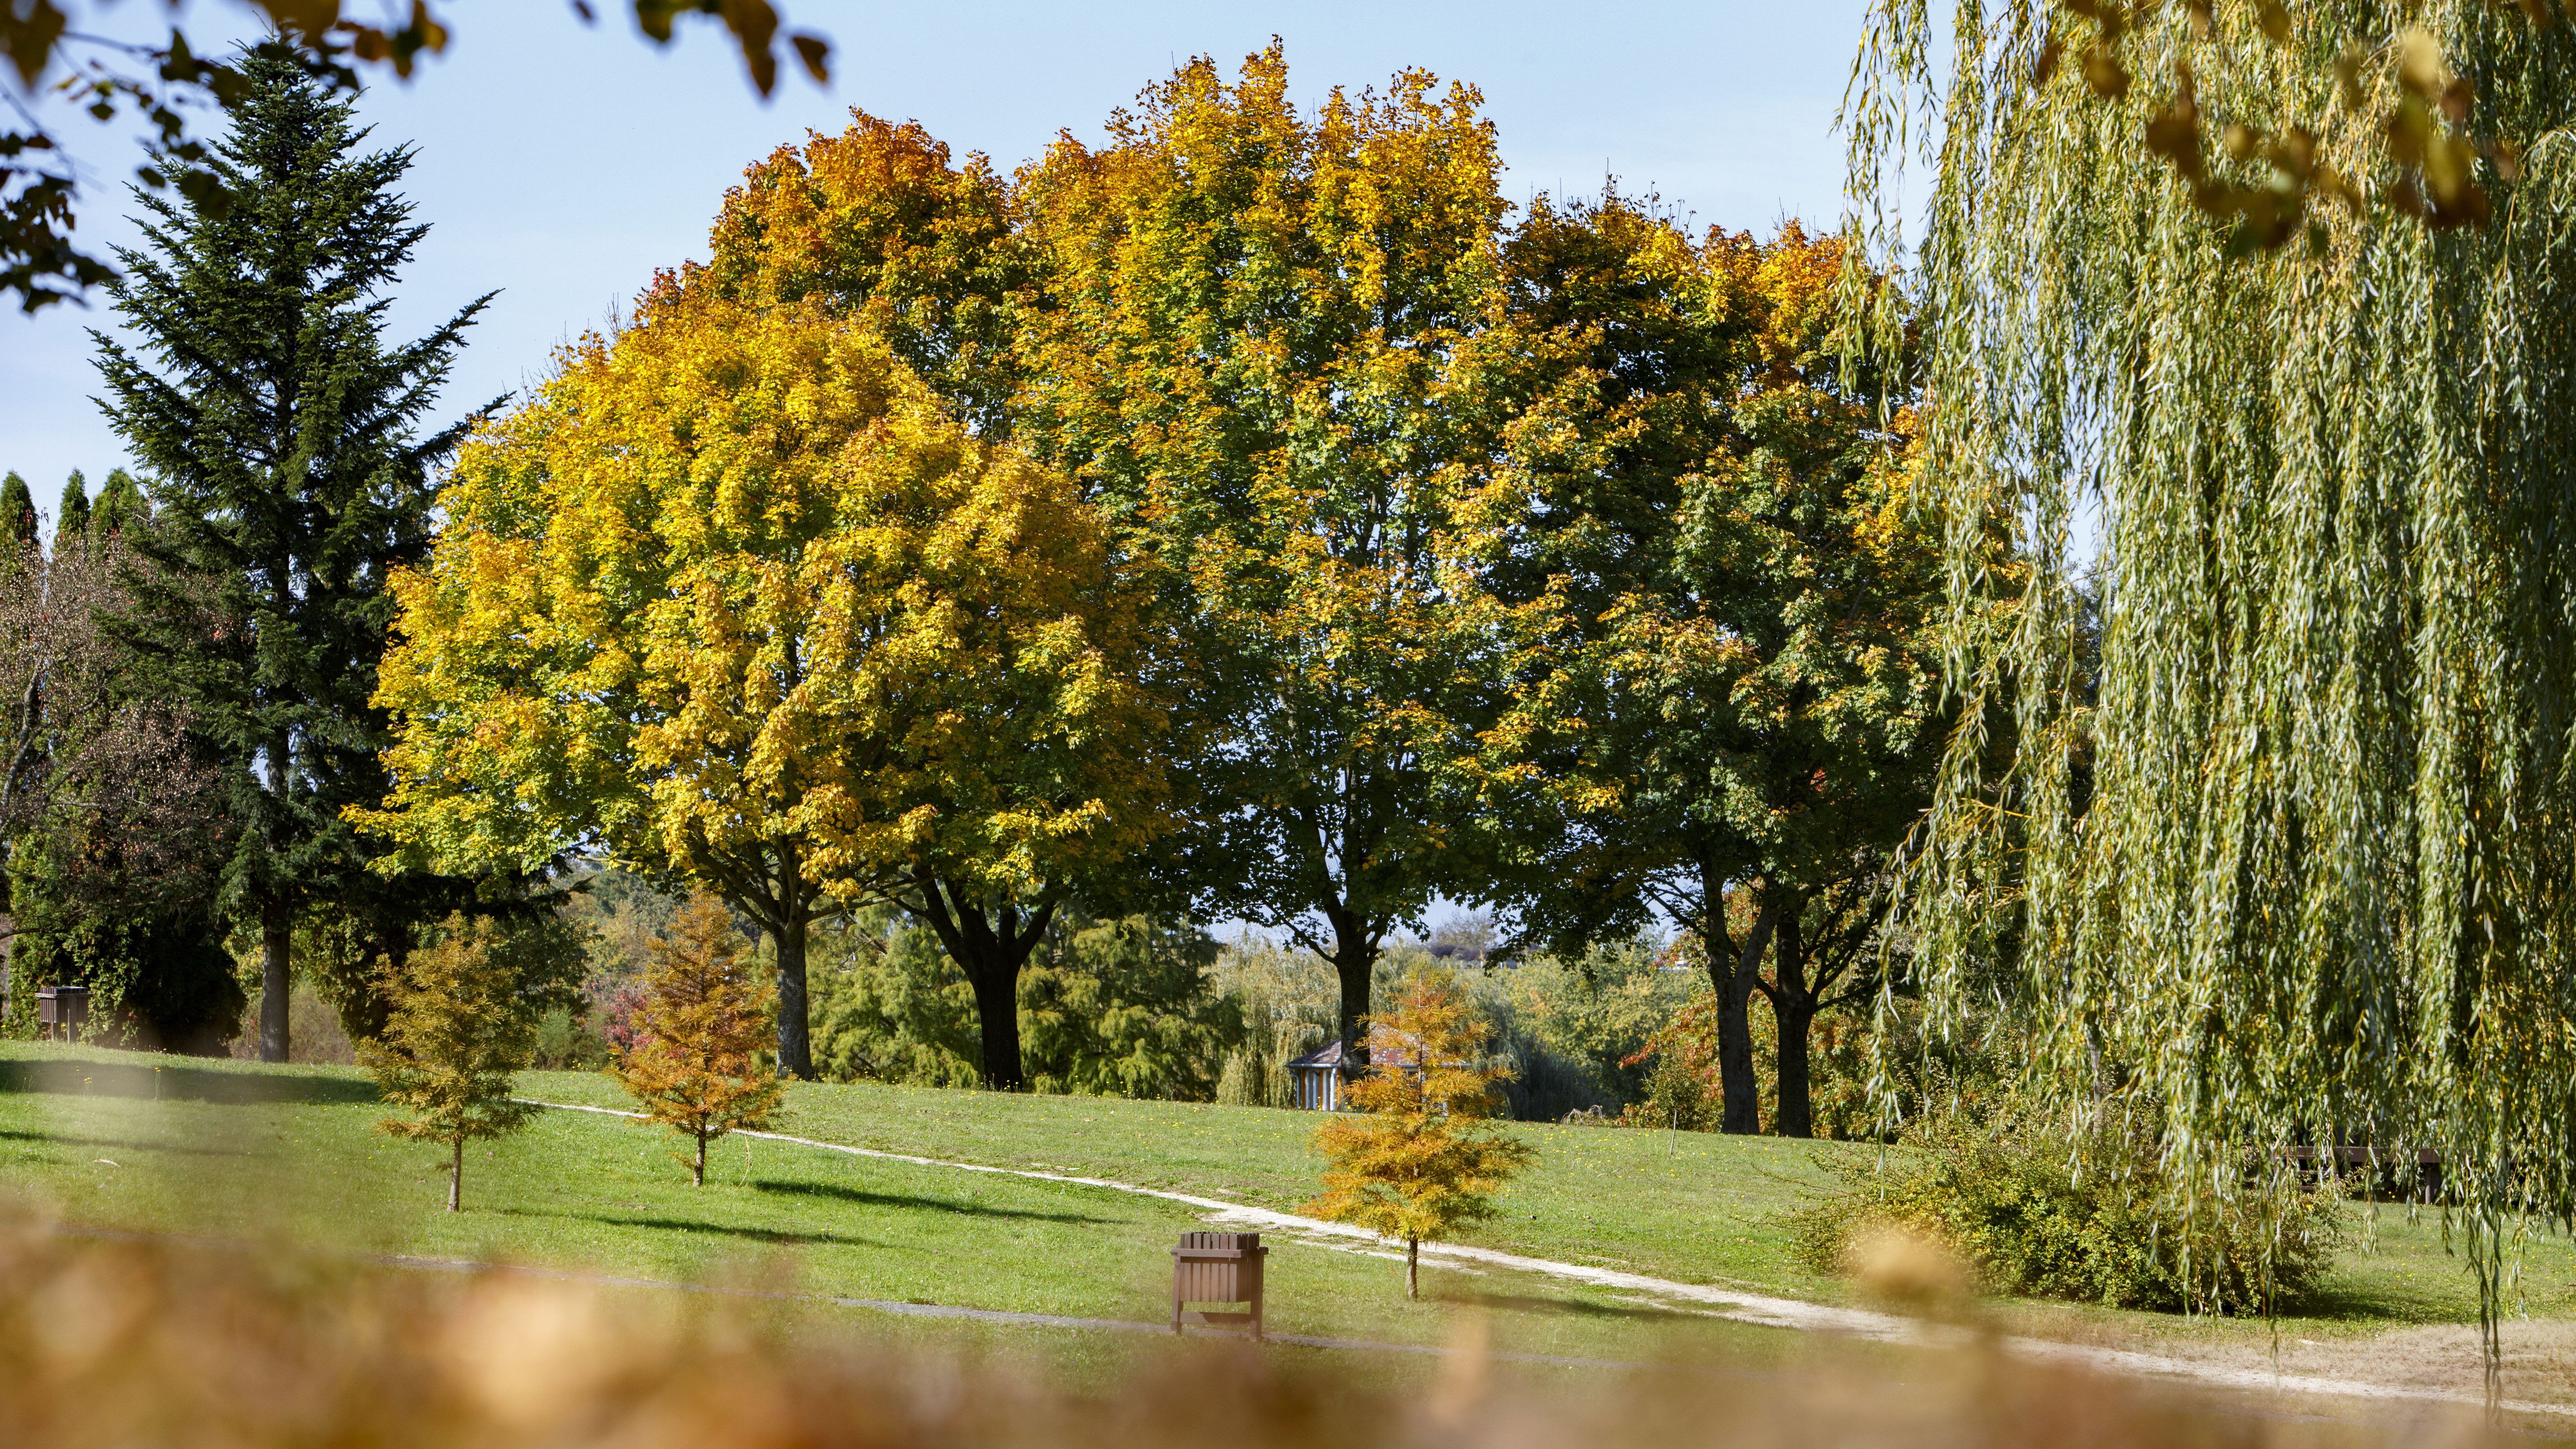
[(770, 1236), (171, 1083), (113, 1144), (914, 1204), (1533, 1303)]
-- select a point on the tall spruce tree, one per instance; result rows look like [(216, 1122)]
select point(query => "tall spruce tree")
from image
[(283, 432)]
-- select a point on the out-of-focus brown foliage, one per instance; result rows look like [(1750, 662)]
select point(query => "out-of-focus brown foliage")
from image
[(121, 1344)]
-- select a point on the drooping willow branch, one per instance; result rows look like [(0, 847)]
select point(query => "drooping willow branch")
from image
[(2262, 798)]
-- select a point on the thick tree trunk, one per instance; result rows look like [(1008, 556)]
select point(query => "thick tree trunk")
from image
[(1355, 964), (1734, 983), (1793, 1007), (795, 1041), (456, 1176), (276, 980), (698, 1169), (1413, 1267), (990, 951), (997, 1015)]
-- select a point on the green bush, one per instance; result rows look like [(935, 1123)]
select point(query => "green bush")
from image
[(2092, 1218)]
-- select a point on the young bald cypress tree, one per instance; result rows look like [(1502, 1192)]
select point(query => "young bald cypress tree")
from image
[(290, 457)]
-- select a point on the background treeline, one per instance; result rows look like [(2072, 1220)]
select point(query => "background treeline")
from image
[(974, 579)]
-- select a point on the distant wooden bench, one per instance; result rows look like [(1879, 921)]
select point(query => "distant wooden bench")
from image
[(2428, 1163), (1218, 1268)]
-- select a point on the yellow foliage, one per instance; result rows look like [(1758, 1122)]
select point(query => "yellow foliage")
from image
[(1417, 1162), (733, 597), (462, 1025)]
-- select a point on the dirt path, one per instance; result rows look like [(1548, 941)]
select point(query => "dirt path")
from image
[(1742, 1307)]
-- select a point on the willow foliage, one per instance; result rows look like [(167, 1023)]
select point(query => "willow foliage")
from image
[(2292, 860)]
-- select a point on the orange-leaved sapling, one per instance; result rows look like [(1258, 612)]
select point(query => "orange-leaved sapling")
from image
[(1419, 1160), (696, 1064)]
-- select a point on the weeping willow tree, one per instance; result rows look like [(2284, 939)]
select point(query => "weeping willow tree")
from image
[(2258, 320)]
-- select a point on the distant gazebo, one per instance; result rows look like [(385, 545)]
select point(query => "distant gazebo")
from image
[(1315, 1079)]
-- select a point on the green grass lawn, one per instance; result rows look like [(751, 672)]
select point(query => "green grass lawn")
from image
[(290, 1154)]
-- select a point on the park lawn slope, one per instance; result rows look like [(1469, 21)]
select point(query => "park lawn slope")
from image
[(291, 1155), (579, 1188)]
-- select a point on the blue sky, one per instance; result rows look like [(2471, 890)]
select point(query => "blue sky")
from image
[(561, 164)]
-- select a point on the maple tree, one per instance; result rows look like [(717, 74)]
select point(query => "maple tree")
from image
[(734, 599), (695, 1064), (1418, 1160), (1726, 689), (463, 1023), (1247, 352)]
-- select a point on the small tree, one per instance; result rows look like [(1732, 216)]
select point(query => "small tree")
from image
[(1421, 1162), (707, 1012), (462, 1024)]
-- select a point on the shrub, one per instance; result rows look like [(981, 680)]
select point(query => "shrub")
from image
[(2091, 1217)]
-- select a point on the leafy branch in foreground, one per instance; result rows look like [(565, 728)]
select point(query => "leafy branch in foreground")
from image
[(159, 85)]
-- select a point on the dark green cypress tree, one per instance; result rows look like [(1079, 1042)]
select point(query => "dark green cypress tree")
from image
[(121, 506), (17, 510), (72, 519), (285, 437)]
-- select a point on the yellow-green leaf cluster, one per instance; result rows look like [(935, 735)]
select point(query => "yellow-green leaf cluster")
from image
[(733, 588), (1417, 1161)]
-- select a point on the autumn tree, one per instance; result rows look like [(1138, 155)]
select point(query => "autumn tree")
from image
[(1247, 355), (735, 600), (1418, 1160), (463, 1024), (705, 1017), (881, 224), (285, 436), (1725, 697)]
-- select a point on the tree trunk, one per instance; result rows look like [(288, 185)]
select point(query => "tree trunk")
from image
[(1413, 1267), (698, 1169), (1793, 1007), (990, 951), (1355, 963), (456, 1176), (276, 979), (795, 1041), (276, 926), (1734, 983), (997, 1013)]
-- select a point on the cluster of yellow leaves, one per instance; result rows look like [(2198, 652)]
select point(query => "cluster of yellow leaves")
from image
[(1418, 1161), (706, 1016), (733, 587)]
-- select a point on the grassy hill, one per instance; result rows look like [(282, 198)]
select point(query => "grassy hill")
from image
[(118, 1140)]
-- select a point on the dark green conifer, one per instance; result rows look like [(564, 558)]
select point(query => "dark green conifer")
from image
[(72, 519), (120, 506), (285, 437), (17, 510)]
